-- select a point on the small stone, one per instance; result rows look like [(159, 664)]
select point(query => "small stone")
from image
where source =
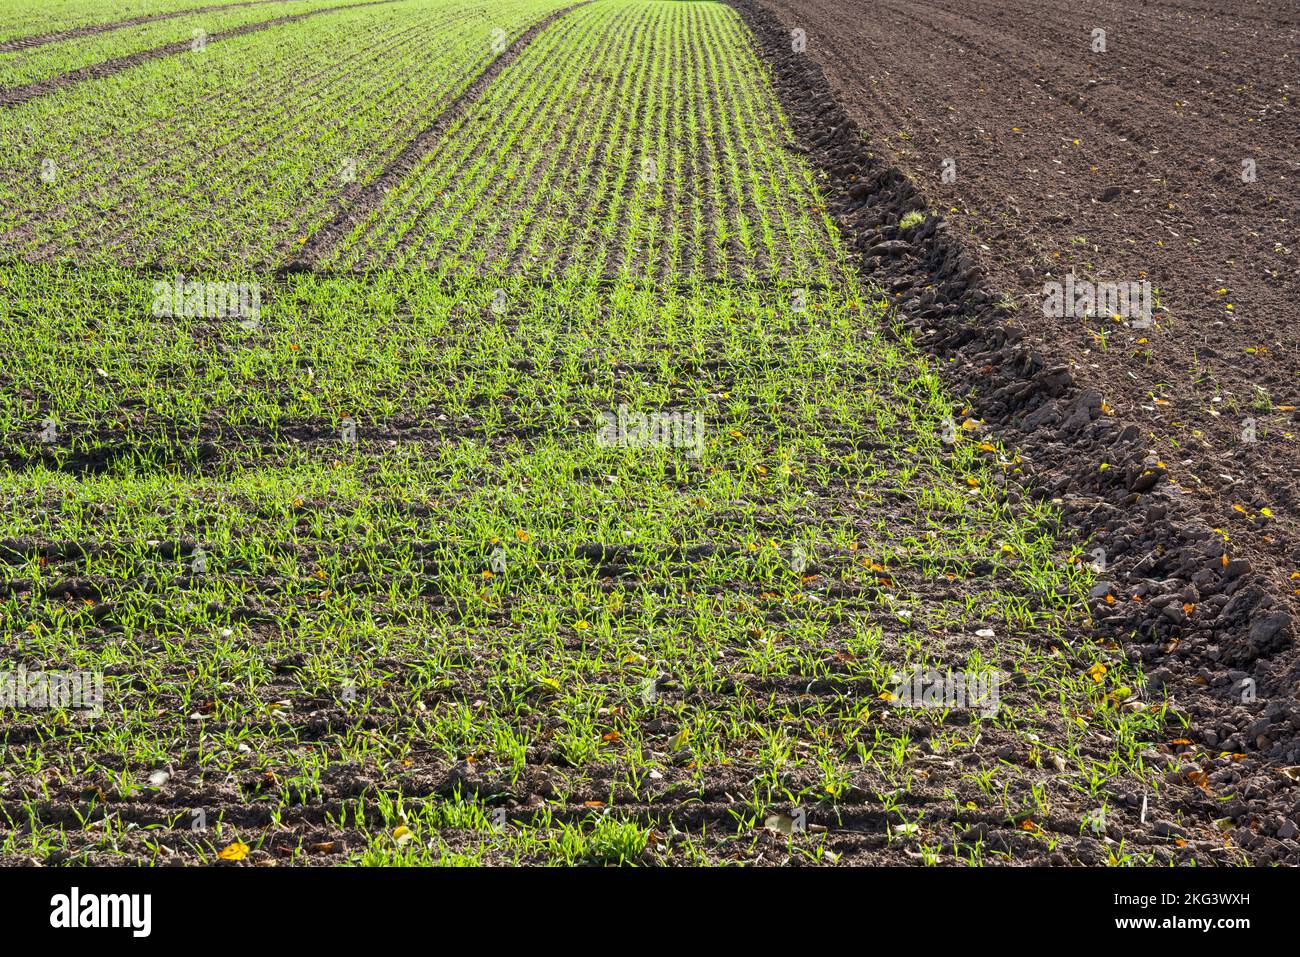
[(1166, 829), (893, 247)]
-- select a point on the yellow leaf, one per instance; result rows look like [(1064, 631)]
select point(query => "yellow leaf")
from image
[(236, 851)]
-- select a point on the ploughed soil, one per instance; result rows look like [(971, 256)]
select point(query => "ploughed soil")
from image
[(1171, 446)]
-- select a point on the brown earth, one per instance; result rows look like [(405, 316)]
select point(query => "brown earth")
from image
[(73, 33), (1117, 166)]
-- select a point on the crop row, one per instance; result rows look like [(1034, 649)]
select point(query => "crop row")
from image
[(631, 501), (472, 572), (22, 18), (228, 155), (631, 138), (42, 62)]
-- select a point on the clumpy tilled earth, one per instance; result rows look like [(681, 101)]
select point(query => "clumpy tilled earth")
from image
[(1116, 165)]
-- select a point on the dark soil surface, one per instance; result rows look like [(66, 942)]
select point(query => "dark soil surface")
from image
[(1122, 165), (1116, 166)]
